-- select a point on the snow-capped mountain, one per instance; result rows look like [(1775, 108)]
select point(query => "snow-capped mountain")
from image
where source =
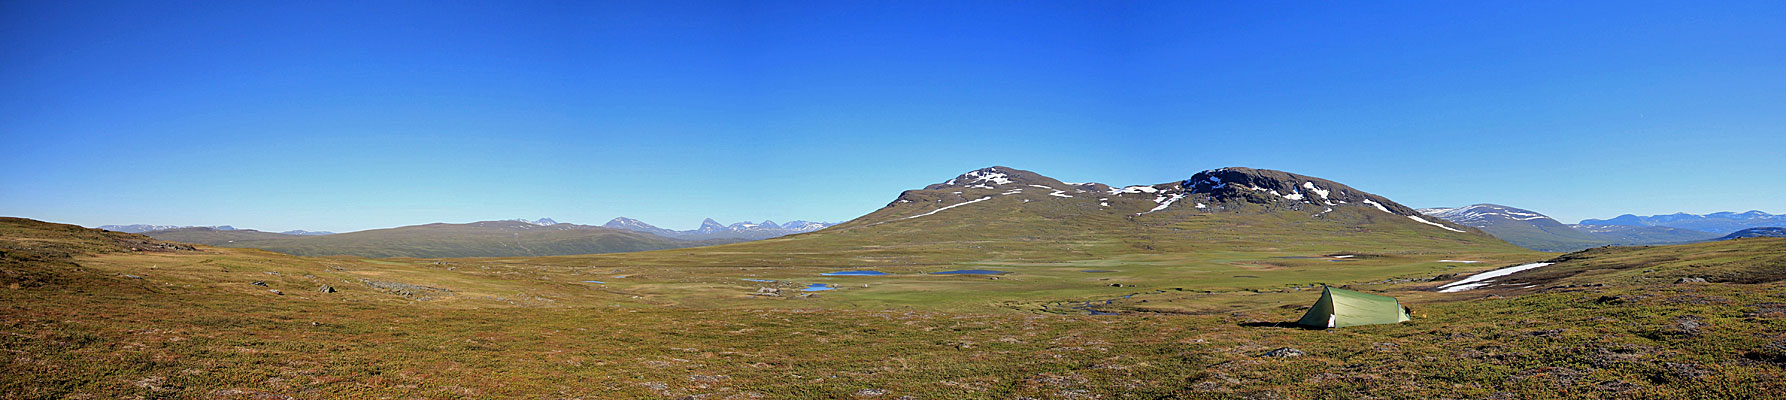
[(804, 226), (301, 232), (1718, 222), (638, 226), (1485, 214), (711, 229), (140, 228), (1218, 190), (540, 222), (710, 226)]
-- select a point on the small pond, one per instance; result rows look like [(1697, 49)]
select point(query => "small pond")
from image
[(759, 280), (594, 282), (854, 273), (817, 287), (972, 272)]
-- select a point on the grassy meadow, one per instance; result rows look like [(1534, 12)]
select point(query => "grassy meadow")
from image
[(84, 315)]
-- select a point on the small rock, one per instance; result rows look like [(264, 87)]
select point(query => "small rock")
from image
[(129, 276), (277, 292), (258, 283), (1283, 352), (870, 392), (325, 289), (1610, 300), (1690, 280), (1688, 325)]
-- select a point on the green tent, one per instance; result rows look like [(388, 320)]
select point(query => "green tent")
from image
[(1340, 307)]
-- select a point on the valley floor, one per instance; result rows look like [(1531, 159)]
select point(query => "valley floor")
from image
[(85, 319)]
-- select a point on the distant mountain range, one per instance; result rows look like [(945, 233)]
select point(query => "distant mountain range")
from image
[(1719, 223), (1536, 231), (477, 239), (505, 238), (711, 229), (140, 228), (1756, 232)]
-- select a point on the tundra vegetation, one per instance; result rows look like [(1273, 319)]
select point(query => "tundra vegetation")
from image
[(95, 314)]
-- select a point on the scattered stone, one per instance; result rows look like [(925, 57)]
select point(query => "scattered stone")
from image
[(1549, 333), (258, 283), (1690, 280), (870, 392), (249, 394), (1686, 325), (325, 289), (1615, 386), (1283, 352), (1767, 310), (1610, 300), (277, 292), (157, 384), (1116, 285), (129, 276), (1685, 370), (1557, 376)]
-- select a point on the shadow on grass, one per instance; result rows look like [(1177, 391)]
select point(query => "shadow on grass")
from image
[(1286, 325)]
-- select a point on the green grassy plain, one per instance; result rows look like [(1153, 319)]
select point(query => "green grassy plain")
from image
[(84, 316)]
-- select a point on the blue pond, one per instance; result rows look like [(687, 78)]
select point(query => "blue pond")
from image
[(594, 281), (854, 273), (972, 272), (816, 287), (759, 280)]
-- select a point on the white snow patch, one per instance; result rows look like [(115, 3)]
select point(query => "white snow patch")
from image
[(952, 206), (1165, 202), (1135, 189), (1379, 206), (1311, 187), (989, 175), (1345, 256), (1482, 279), (1417, 218), (1201, 205), (1060, 193), (1293, 196)]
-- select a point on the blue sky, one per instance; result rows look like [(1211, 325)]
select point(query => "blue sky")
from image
[(361, 115)]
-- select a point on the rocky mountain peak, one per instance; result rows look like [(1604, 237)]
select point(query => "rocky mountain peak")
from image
[(996, 177)]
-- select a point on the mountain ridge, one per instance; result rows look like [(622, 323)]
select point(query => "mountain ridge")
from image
[(1534, 230), (1722, 222)]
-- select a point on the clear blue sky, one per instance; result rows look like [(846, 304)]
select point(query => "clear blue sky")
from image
[(367, 114)]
